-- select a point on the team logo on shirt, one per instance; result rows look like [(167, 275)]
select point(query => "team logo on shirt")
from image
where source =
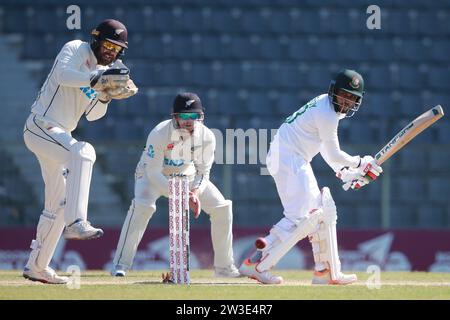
[(151, 151), (173, 162), (354, 83), (90, 93)]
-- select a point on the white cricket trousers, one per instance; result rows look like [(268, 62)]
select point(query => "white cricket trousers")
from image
[(144, 205), (51, 146), (296, 184), (66, 166)]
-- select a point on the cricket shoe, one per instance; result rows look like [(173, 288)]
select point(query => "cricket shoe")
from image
[(118, 271), (227, 272), (324, 277), (48, 275), (249, 269), (81, 230)]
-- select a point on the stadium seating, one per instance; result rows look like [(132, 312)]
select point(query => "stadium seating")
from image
[(254, 63)]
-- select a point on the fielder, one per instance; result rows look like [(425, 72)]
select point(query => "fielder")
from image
[(83, 80), (181, 145), (309, 211)]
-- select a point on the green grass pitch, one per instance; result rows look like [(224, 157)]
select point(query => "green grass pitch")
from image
[(148, 285)]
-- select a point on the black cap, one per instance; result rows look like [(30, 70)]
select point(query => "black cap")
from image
[(349, 81), (112, 30), (187, 102)]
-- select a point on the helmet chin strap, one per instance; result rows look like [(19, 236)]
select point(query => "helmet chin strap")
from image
[(342, 115), (350, 113)]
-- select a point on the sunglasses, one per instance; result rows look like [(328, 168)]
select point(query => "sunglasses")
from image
[(111, 46), (189, 116)]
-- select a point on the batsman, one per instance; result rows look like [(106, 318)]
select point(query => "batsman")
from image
[(84, 78), (181, 145), (309, 211)]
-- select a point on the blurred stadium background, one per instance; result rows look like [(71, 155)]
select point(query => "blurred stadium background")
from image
[(253, 63)]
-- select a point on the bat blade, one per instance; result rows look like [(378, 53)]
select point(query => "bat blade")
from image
[(410, 131)]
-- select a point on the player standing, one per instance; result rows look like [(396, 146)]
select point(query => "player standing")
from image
[(309, 211), (80, 82)]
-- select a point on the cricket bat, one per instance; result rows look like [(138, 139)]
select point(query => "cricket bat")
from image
[(408, 133)]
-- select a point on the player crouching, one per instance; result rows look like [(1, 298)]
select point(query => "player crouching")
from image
[(181, 145)]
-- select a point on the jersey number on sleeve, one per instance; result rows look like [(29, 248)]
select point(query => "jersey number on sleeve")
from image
[(300, 111)]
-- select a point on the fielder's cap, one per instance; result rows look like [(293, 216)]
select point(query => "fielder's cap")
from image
[(186, 102)]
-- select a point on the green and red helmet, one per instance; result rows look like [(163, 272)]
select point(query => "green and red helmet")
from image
[(348, 81)]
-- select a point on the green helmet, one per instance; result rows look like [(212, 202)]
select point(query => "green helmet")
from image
[(349, 81)]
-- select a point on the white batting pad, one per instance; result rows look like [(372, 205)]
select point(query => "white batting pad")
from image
[(82, 158), (48, 232), (324, 241), (277, 250)]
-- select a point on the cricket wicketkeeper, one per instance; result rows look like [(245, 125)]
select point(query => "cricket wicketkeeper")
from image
[(84, 78), (181, 145)]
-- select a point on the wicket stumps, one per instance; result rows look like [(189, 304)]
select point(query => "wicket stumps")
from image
[(179, 229)]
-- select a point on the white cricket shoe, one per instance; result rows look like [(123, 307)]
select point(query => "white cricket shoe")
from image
[(48, 275), (118, 271), (324, 277), (81, 230), (227, 272), (248, 269)]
